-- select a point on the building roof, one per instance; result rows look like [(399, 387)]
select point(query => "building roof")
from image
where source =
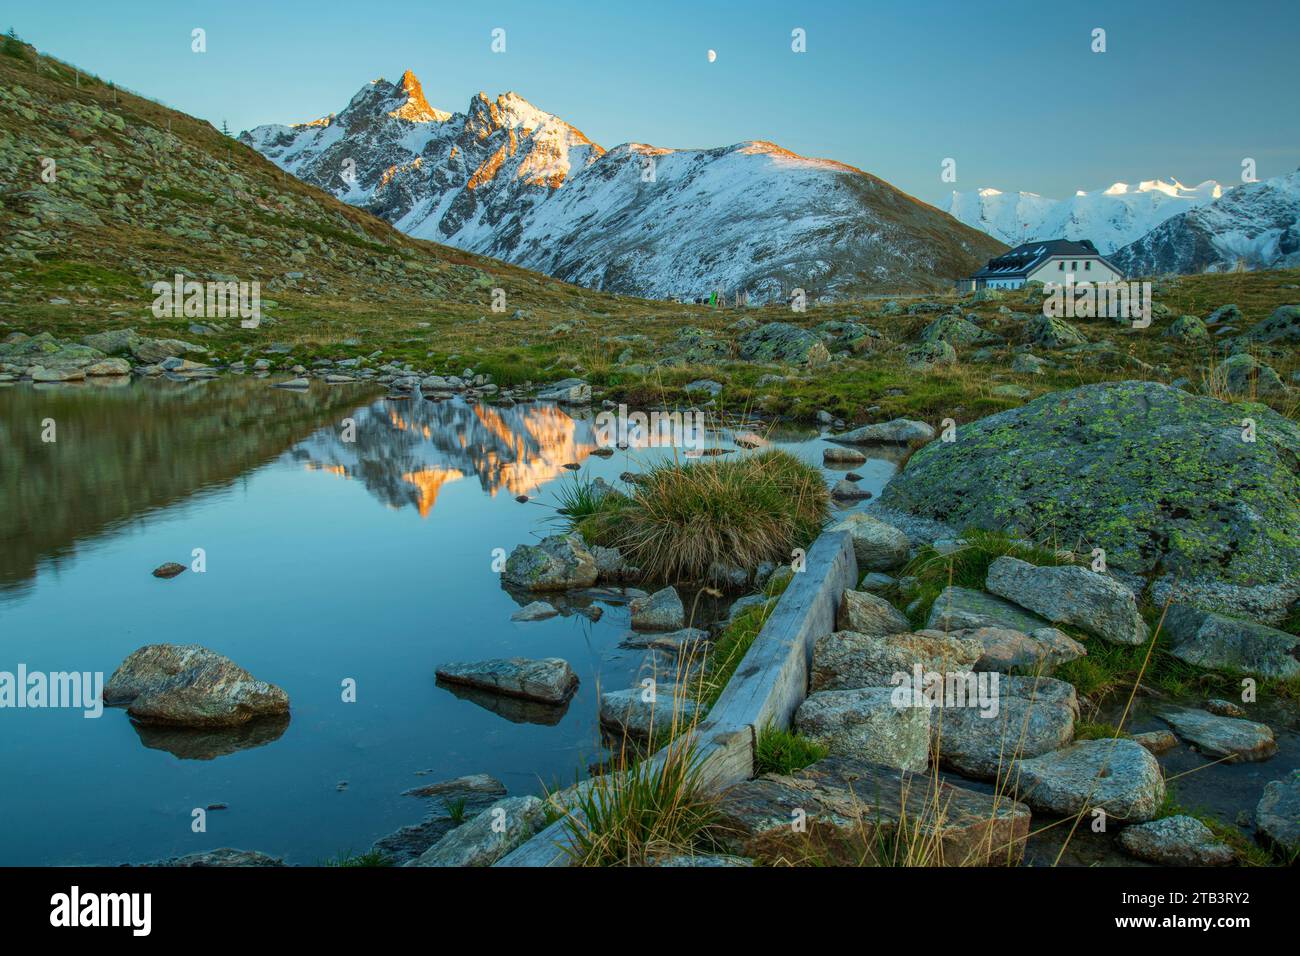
[(1024, 259)]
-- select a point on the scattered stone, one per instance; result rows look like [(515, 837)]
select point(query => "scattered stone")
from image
[(899, 431), (1245, 375), (876, 545), (1030, 716), (1282, 326), (558, 563), (1053, 333), (489, 836), (661, 611), (842, 456), (292, 383), (866, 725), (876, 583), (1039, 652), (225, 856), (1072, 595), (1224, 708), (1156, 741), (1277, 816), (570, 391), (1212, 640), (549, 680), (168, 570), (848, 491), (1118, 775), (867, 613), (844, 660), (1236, 740), (959, 609), (536, 611), (1176, 841), (853, 809), (629, 712), (190, 686)]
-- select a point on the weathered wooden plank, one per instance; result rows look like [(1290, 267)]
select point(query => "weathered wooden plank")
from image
[(768, 686)]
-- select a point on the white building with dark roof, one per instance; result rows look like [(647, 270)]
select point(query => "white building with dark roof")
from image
[(1051, 260)]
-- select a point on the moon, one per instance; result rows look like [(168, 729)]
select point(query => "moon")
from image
[(713, 55)]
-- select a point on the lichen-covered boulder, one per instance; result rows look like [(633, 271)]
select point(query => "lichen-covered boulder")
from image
[(1208, 639), (1070, 595), (1117, 775), (1157, 477), (188, 685), (558, 563), (1176, 841), (1278, 814), (1022, 717), (779, 342), (1054, 333), (1187, 328), (1282, 326), (549, 681), (845, 660), (867, 724), (1229, 738)]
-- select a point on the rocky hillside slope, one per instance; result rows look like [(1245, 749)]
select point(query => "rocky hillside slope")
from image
[(507, 179)]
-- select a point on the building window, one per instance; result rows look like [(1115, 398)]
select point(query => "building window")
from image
[(1087, 265), (1062, 265), (1074, 267)]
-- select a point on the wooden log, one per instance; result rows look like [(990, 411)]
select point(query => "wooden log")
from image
[(767, 687)]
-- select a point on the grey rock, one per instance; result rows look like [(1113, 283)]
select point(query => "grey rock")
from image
[(867, 613), (1236, 740), (957, 609), (1071, 595), (848, 491), (876, 545), (223, 857), (844, 660), (1209, 639), (549, 680), (640, 715), (536, 611), (1176, 841), (558, 563), (661, 611), (1038, 652), (188, 685), (899, 431), (1118, 775), (1277, 816), (866, 725), (489, 836), (1029, 717), (835, 455), (1245, 375)]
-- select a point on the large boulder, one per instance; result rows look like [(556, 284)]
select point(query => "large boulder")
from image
[(188, 685), (844, 660), (489, 836), (548, 681), (1115, 774), (559, 563), (1053, 333), (779, 342), (1207, 639), (1092, 602), (1282, 326), (1245, 375), (876, 545), (1176, 841), (1277, 816), (957, 608), (1028, 717), (1038, 652), (866, 724), (1157, 477), (847, 812)]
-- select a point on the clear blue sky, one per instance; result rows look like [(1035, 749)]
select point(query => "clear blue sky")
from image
[(1011, 90)]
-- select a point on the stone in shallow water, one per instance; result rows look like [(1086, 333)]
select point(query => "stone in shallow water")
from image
[(852, 811), (1071, 595), (845, 660), (1176, 841), (865, 613), (558, 563), (168, 570), (1209, 639), (1277, 816), (489, 836), (1120, 776), (1238, 741), (629, 712), (536, 611), (661, 611), (845, 490), (1034, 715), (1156, 741), (876, 545), (899, 431), (225, 856), (549, 680), (866, 725), (191, 686)]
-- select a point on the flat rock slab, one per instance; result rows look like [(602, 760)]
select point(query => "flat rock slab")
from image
[(223, 857), (489, 836), (1277, 816), (865, 613), (1031, 716), (957, 609), (865, 724), (1070, 595), (841, 811), (190, 686), (1120, 776), (549, 680), (1239, 741), (899, 431), (1176, 841), (1213, 640), (844, 660)]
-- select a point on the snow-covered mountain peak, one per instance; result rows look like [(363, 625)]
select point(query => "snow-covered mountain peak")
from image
[(416, 108)]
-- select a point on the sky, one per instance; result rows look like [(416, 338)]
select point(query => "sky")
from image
[(1012, 92)]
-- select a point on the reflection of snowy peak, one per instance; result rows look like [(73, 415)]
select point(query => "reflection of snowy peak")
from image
[(509, 180), (1111, 217), (404, 454), (1256, 225)]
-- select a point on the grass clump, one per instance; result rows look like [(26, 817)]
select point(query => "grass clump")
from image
[(639, 813), (1097, 730), (350, 859), (784, 751), (683, 517)]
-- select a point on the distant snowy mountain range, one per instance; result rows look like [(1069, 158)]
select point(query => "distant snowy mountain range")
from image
[(509, 180), (1111, 218), (1156, 226)]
